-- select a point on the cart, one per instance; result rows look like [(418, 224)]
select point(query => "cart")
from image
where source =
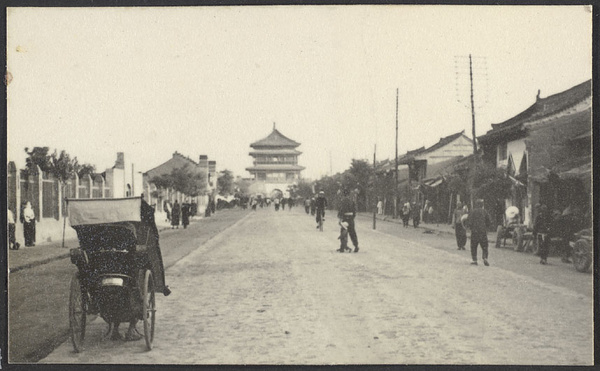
[(119, 265)]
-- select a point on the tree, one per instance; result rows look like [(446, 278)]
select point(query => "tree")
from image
[(188, 182), (38, 156), (62, 167), (84, 170), (225, 183)]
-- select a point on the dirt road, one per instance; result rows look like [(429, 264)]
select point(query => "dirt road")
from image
[(272, 290)]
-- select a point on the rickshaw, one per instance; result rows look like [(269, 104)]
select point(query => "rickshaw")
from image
[(511, 228), (119, 265)]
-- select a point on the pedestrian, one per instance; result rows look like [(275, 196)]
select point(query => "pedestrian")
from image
[(254, 203), (313, 206), (276, 202), (380, 207), (283, 202), (459, 229), (194, 208), (167, 207), (320, 206), (12, 240), (479, 221), (416, 214), (28, 220), (175, 213), (405, 214), (346, 215), (541, 228), (185, 214), (290, 203), (307, 205), (426, 212)]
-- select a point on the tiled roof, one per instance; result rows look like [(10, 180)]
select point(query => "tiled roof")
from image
[(177, 161), (410, 155), (543, 107), (275, 139)]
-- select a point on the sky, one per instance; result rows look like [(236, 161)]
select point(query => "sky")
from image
[(212, 80)]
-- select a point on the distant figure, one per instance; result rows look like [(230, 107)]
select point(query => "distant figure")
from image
[(320, 205), (307, 205), (12, 241), (541, 226), (276, 202), (283, 201), (380, 207), (194, 208), (167, 207), (459, 229), (405, 214), (416, 214), (185, 214), (426, 212), (290, 203), (346, 214), (312, 206), (479, 221), (175, 215), (254, 203), (28, 220)]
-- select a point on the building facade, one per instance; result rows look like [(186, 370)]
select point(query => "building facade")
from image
[(546, 151), (275, 164)]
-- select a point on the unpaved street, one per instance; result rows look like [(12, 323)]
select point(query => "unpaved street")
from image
[(272, 290)]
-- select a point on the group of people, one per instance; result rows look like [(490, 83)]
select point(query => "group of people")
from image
[(316, 206), (177, 212), (27, 218)]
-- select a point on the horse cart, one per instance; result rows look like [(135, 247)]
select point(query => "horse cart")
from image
[(119, 266)]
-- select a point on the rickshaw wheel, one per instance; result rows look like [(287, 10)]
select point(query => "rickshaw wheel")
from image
[(77, 315), (518, 239), (582, 258), (499, 236), (149, 308)]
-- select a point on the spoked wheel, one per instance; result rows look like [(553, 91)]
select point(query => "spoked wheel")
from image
[(149, 308), (77, 315), (582, 258), (499, 236)]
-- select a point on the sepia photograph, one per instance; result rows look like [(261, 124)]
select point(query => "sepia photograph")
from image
[(369, 184)]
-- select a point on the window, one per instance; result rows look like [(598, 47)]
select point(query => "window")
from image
[(502, 151)]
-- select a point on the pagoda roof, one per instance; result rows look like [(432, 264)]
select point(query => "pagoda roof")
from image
[(275, 151), (275, 139), (273, 167)]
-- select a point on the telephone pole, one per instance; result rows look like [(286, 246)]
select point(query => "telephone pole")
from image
[(472, 105), (374, 188), (396, 182)]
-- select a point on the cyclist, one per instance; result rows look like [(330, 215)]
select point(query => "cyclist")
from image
[(320, 205)]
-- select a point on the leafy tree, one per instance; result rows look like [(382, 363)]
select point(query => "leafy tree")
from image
[(162, 181), (84, 170), (187, 181), (38, 156), (225, 183)]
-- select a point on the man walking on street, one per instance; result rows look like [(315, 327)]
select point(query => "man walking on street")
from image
[(346, 215), (541, 226), (459, 228), (478, 221)]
